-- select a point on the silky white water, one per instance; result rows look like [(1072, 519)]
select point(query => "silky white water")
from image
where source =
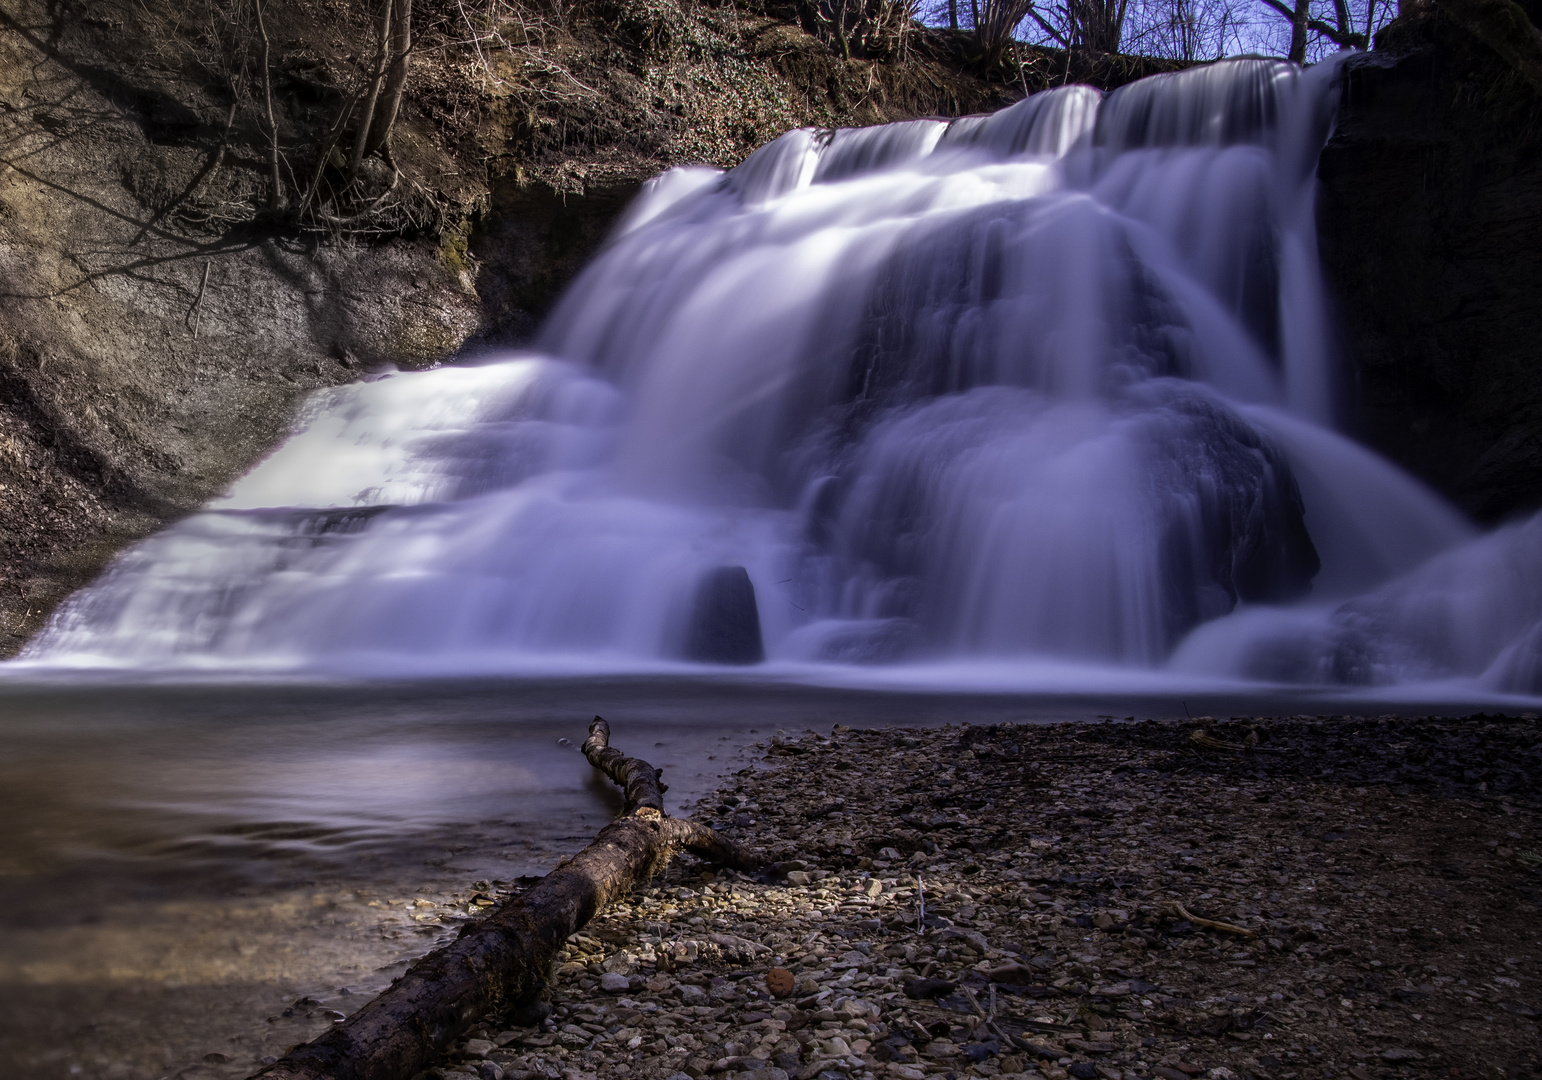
[(1053, 389)]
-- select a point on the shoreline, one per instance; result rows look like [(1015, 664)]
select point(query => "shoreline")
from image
[(1381, 880)]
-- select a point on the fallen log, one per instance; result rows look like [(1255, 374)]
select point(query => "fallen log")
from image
[(506, 960)]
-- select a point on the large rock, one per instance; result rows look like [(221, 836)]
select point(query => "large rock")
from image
[(1430, 215), (725, 621)]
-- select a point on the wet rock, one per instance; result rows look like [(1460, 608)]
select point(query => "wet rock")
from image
[(725, 621), (529, 1013), (929, 988), (615, 983)]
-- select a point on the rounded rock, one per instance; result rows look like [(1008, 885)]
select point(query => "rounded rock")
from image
[(780, 982)]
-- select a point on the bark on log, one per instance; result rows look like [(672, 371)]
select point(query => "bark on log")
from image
[(507, 958)]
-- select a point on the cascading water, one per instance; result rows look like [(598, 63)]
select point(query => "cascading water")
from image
[(1054, 383)]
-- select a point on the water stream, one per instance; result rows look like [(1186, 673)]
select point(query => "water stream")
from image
[(1053, 390)]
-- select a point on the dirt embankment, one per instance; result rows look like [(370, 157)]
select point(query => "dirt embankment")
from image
[(161, 313)]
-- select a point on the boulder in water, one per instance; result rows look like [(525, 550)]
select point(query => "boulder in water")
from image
[(725, 620)]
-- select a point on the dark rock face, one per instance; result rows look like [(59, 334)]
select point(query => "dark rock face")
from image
[(1430, 216), (532, 242), (725, 620)]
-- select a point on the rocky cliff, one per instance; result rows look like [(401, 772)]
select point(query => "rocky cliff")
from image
[(1430, 216)]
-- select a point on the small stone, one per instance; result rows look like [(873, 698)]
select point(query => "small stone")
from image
[(490, 1070), (618, 964), (615, 983), (780, 982), (798, 877), (1400, 1055), (940, 1048), (1083, 1070), (529, 1014), (479, 1047), (919, 989)]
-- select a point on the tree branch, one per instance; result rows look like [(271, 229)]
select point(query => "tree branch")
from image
[(1332, 33)]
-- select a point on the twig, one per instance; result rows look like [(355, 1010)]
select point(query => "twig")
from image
[(1224, 927), (974, 1002), (1248, 745), (198, 303)]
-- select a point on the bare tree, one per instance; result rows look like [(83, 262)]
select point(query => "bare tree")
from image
[(393, 45), (996, 25), (396, 74), (1183, 29), (870, 27), (1098, 24), (1301, 22), (1200, 29)]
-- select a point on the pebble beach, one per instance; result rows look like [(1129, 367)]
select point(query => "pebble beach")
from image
[(1250, 898)]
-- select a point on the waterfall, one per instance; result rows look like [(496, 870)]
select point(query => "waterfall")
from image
[(1054, 385)]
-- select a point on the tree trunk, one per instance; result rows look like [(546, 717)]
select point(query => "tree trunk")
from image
[(506, 959), (1341, 18), (276, 200), (396, 76), (953, 14), (376, 81), (1298, 31)]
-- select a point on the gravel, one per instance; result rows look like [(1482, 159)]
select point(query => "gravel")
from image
[(1295, 897)]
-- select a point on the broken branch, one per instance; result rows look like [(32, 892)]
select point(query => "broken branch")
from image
[(1224, 927)]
